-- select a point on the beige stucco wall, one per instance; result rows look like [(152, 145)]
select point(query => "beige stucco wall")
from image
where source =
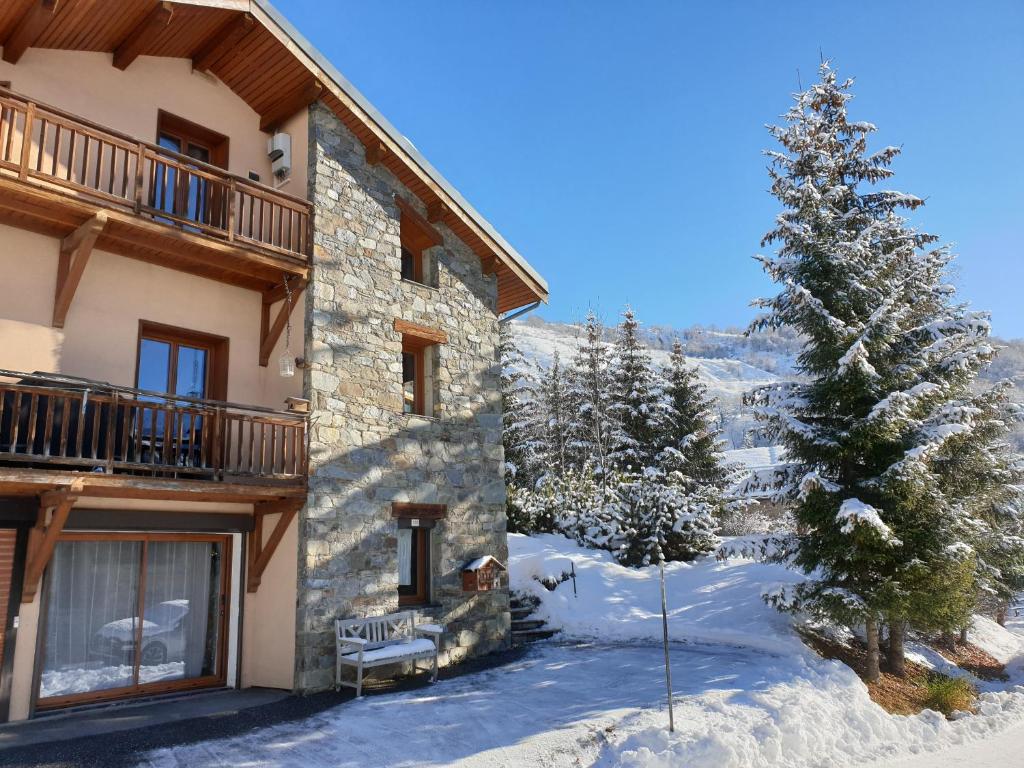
[(268, 621), (87, 84), (100, 337)]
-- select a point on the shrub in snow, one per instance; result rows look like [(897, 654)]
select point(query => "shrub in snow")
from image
[(907, 500)]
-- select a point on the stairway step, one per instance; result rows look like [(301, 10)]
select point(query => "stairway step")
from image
[(530, 635), (521, 613), (525, 625)]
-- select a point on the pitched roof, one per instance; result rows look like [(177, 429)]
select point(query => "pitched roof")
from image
[(254, 50)]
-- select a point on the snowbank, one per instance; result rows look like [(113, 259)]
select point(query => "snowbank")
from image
[(794, 709), (709, 601)]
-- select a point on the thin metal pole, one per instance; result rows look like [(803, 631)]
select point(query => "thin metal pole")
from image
[(664, 629)]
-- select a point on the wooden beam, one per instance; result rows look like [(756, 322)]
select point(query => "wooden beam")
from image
[(376, 151), (28, 29), (42, 539), (436, 211), (270, 333), (32, 482), (75, 250), (422, 332), (489, 264), (411, 217), (143, 34), (225, 39), (261, 552), (289, 106)]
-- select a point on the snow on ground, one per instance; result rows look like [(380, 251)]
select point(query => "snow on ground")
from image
[(747, 693), (773, 719)]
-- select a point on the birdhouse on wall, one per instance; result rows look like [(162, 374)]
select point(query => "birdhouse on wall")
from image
[(483, 575)]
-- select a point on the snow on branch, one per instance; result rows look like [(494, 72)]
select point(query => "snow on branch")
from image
[(855, 514)]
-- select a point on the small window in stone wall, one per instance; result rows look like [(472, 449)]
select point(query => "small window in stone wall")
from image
[(420, 350), (418, 236)]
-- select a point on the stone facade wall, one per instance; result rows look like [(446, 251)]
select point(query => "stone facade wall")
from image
[(364, 452)]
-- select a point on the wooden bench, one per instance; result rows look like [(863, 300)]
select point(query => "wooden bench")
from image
[(380, 640)]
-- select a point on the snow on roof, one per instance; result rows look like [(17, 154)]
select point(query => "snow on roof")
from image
[(480, 562)]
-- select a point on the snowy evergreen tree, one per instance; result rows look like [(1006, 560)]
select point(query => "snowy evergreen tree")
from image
[(522, 420), (588, 396), (891, 528), (554, 413), (691, 438), (634, 401)]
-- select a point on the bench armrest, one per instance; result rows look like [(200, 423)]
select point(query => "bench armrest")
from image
[(430, 629)]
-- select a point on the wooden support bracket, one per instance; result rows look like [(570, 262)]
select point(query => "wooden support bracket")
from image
[(42, 538), (261, 552), (489, 264), (143, 34), (75, 250), (225, 39), (282, 110), (436, 211), (376, 151), (271, 333), (28, 29)]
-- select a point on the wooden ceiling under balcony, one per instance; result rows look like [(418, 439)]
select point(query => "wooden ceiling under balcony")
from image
[(247, 50)]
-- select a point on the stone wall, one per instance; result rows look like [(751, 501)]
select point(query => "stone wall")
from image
[(364, 452)]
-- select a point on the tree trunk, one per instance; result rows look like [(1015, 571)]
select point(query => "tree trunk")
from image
[(897, 658), (1001, 616), (963, 635), (872, 673)]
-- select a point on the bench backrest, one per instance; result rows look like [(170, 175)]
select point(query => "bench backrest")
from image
[(379, 631)]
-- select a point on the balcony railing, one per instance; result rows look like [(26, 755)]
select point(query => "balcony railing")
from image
[(66, 423), (55, 149)]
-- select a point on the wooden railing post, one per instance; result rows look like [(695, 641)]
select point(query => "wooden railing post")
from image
[(26, 140), (232, 189), (111, 433), (140, 161)]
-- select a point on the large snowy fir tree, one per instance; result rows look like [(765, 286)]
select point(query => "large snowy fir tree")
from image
[(906, 497)]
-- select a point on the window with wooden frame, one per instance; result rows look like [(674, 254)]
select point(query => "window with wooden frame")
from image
[(417, 236), (181, 362), (176, 190), (415, 525), (419, 345)]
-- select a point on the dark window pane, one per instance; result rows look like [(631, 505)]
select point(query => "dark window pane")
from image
[(408, 265), (408, 382)]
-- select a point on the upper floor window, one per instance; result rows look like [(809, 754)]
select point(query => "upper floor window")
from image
[(418, 236), (178, 190), (419, 355)]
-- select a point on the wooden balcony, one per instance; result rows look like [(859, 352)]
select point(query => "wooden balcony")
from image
[(57, 424), (58, 171)]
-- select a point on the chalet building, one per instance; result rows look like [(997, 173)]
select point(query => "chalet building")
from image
[(248, 376)]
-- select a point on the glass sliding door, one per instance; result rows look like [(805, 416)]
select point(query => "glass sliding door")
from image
[(129, 614)]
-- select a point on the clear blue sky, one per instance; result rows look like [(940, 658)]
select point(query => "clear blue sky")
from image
[(618, 145)]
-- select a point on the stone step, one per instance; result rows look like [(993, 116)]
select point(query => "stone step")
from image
[(521, 613), (531, 635), (525, 625)]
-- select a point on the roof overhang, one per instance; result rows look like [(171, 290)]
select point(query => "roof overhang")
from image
[(247, 44)]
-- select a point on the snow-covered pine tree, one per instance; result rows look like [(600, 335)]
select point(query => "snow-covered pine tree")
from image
[(587, 390), (635, 404), (522, 421), (885, 525), (690, 428), (553, 410)]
